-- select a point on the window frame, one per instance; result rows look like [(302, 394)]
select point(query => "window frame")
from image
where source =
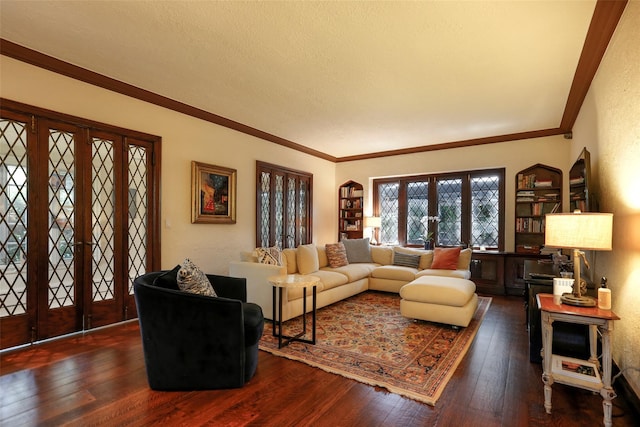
[(466, 203)]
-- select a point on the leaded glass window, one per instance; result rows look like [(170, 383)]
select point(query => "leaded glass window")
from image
[(453, 209)]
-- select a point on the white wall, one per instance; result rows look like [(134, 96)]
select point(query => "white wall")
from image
[(609, 126), (513, 156), (184, 139)]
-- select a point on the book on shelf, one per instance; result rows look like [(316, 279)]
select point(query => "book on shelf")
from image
[(543, 183), (350, 192), (576, 180), (575, 368)]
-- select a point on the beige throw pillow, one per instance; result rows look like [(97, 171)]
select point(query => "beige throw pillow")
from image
[(307, 259)]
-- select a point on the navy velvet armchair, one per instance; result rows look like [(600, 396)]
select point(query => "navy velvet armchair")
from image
[(195, 342)]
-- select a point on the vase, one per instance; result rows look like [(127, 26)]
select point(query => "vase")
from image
[(427, 245)]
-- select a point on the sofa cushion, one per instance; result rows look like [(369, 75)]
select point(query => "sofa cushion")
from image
[(445, 258), (323, 261), (307, 259), (271, 256), (460, 274), (439, 290), (426, 256), (382, 255), (407, 260), (192, 279), (358, 250), (394, 272), (336, 254), (289, 256), (328, 280), (355, 271)]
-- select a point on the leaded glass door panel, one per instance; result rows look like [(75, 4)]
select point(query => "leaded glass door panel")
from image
[(283, 206), (60, 295), (17, 300), (78, 222)]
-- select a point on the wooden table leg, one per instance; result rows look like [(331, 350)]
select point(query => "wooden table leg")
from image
[(547, 342)]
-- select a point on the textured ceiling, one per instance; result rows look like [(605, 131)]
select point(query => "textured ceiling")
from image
[(342, 78)]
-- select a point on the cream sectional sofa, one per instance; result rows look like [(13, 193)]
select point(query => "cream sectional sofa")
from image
[(336, 283)]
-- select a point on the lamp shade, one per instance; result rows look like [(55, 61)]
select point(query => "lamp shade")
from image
[(586, 231), (372, 221)]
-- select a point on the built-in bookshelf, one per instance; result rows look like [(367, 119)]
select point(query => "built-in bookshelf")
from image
[(350, 219), (579, 177), (538, 192)]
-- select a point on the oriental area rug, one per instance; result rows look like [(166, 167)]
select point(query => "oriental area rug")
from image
[(365, 338)]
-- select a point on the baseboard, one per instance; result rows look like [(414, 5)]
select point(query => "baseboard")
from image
[(622, 387)]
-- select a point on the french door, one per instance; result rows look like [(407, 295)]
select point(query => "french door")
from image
[(77, 225), (283, 206)]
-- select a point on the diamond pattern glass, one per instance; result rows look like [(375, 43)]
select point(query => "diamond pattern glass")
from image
[(388, 201), (484, 211), (279, 210), (13, 218), (102, 220), (138, 209), (302, 213), (265, 208), (291, 212), (449, 211), (61, 190), (418, 211)]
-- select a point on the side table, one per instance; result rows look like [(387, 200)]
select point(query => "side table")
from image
[(559, 369), (293, 281)]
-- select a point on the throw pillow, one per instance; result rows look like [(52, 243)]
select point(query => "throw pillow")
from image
[(307, 259), (426, 256), (271, 256), (358, 250), (336, 254), (445, 258), (406, 260), (465, 259), (192, 279), (168, 279)]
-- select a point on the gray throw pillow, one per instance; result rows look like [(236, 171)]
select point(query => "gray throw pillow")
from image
[(358, 250), (406, 260)]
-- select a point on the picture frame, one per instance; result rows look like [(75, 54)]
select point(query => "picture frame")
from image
[(213, 194)]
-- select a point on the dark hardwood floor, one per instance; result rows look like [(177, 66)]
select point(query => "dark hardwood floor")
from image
[(99, 379)]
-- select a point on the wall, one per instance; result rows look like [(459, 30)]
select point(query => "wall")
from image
[(184, 139), (609, 126), (513, 156)]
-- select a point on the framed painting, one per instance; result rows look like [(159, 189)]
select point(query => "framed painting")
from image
[(213, 194)]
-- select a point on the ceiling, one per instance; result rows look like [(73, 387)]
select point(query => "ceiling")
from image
[(342, 79)]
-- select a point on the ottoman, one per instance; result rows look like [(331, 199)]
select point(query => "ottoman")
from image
[(439, 299)]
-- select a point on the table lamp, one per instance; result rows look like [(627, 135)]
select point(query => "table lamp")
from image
[(373, 222), (579, 231)]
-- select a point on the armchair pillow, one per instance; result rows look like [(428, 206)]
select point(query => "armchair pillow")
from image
[(192, 279), (445, 258), (168, 279)]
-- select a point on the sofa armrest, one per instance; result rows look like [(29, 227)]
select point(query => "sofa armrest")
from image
[(259, 290)]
